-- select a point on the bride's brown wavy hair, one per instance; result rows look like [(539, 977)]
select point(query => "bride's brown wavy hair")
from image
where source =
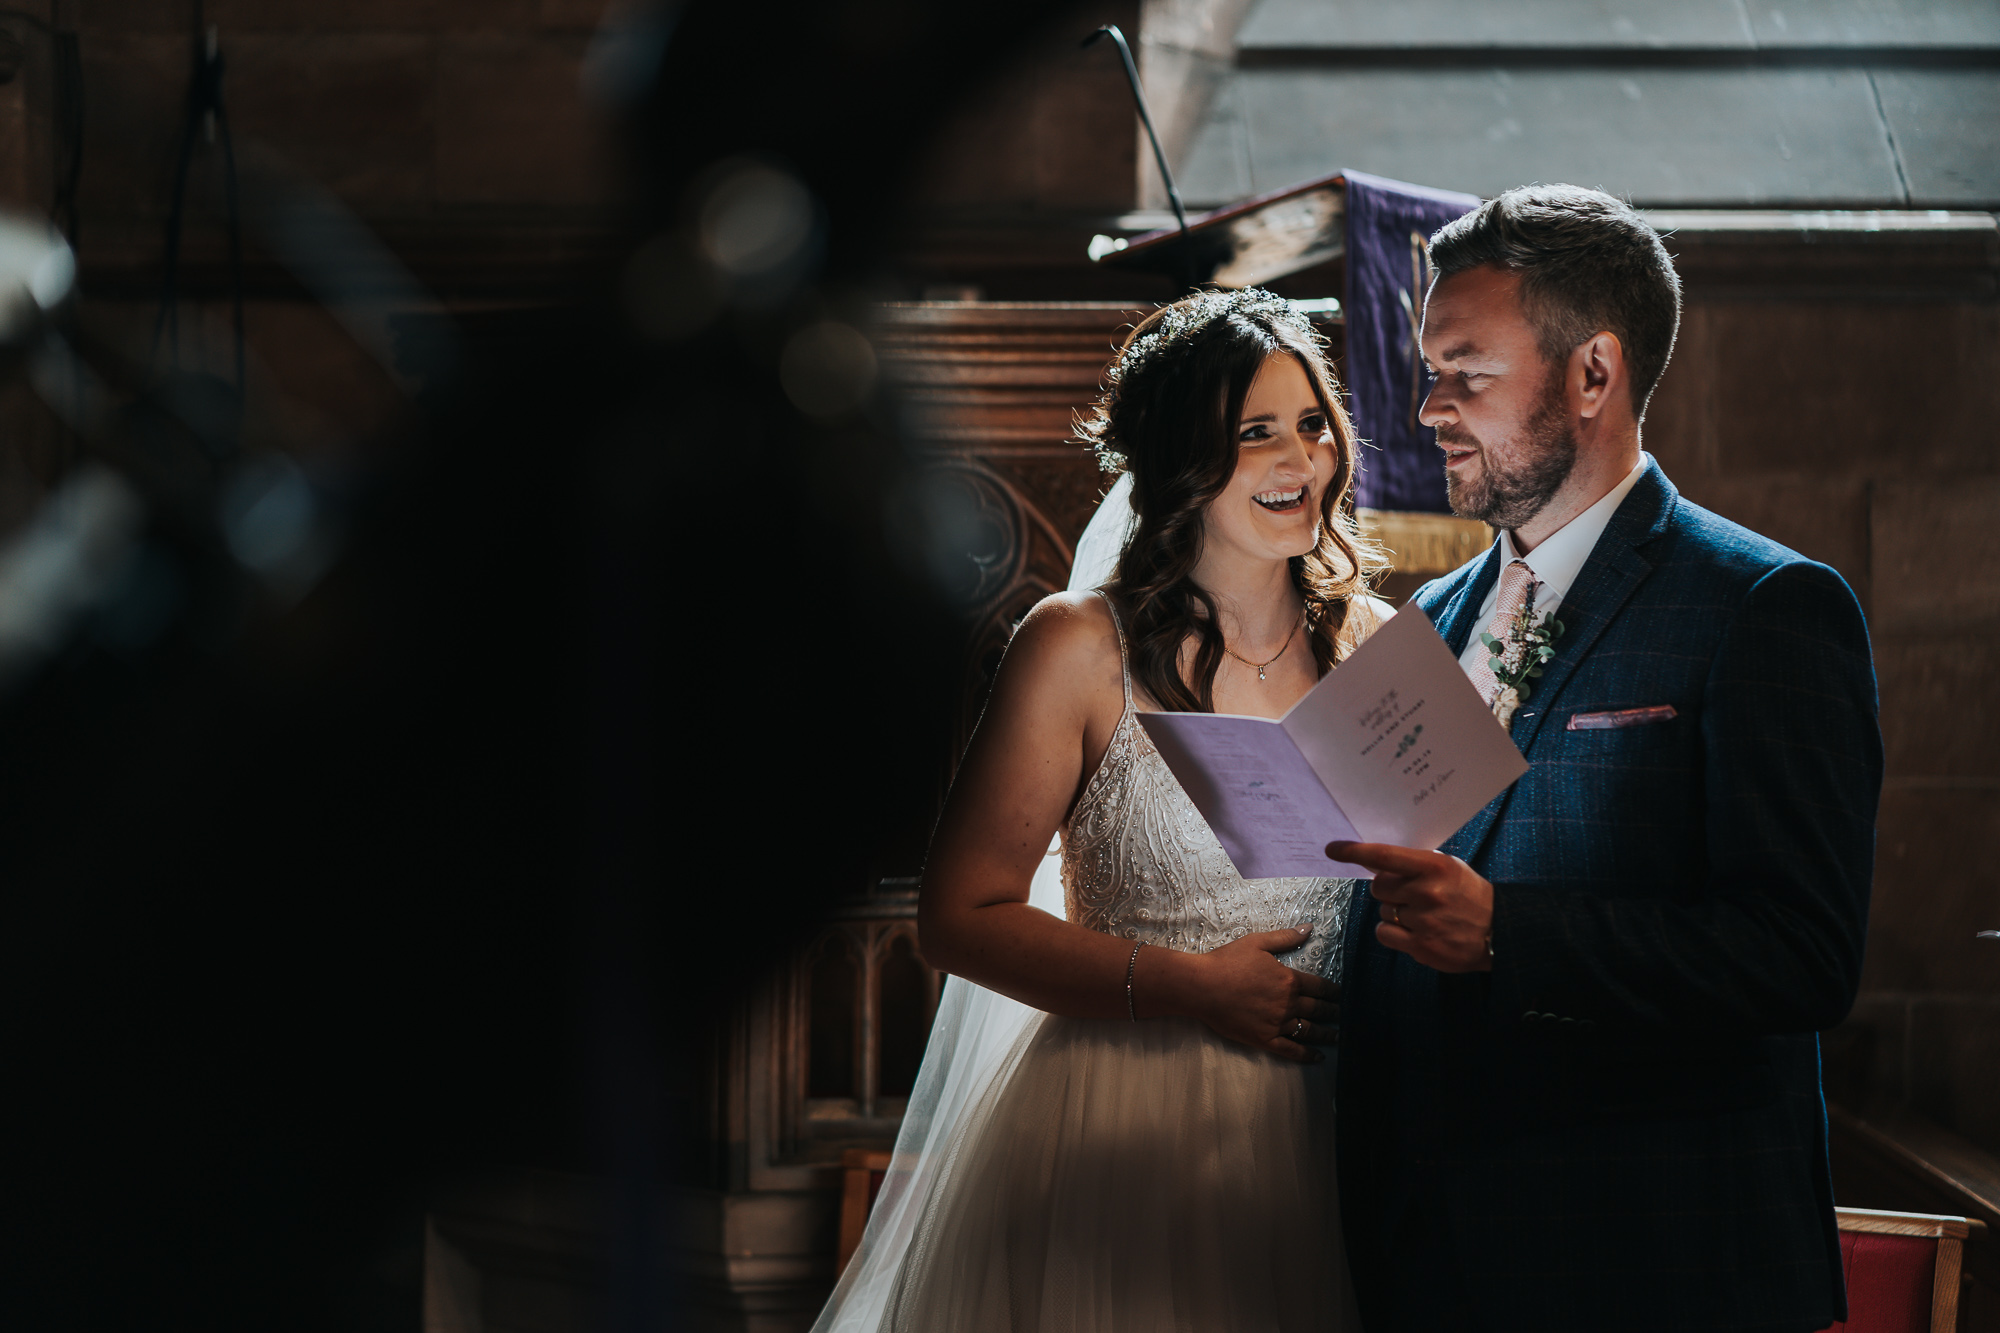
[(1168, 415)]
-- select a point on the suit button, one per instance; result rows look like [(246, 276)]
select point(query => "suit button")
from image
[(1550, 1018), (1569, 1020), (1530, 1016)]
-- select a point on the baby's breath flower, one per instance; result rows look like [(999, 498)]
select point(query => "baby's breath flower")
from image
[(1519, 658)]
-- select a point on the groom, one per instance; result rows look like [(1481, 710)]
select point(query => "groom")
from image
[(1579, 1075)]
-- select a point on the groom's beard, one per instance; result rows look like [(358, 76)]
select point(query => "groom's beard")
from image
[(1509, 497)]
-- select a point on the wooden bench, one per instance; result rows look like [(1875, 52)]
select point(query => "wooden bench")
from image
[(1902, 1270), (862, 1170)]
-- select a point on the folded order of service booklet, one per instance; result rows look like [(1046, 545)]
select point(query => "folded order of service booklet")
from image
[(1394, 745)]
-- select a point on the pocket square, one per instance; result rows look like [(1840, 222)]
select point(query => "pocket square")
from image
[(1622, 717)]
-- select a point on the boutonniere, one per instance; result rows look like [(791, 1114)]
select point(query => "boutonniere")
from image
[(1518, 659)]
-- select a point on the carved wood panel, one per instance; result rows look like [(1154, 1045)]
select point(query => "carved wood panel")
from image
[(990, 394)]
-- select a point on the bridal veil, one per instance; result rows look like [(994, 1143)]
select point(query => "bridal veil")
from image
[(976, 1040)]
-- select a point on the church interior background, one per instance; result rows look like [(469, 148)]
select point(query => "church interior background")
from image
[(1827, 175)]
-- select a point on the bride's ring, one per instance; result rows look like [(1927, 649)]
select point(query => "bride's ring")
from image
[(1298, 1028)]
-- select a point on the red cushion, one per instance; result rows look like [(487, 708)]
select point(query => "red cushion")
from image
[(1888, 1282)]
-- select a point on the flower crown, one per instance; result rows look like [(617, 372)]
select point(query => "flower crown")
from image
[(1178, 327)]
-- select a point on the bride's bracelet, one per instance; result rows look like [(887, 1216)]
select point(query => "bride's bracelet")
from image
[(1131, 966)]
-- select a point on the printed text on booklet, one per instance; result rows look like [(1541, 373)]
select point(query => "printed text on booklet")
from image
[(1395, 745)]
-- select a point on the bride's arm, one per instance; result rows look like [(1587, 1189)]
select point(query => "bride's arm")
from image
[(1020, 774)]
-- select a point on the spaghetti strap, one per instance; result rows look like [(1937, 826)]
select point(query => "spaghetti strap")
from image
[(1124, 657)]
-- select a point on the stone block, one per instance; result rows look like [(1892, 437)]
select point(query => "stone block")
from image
[(1881, 388), (513, 126), (1762, 137), (1948, 23), (1938, 545), (351, 110), (1954, 1062), (1216, 168), (1939, 716), (1936, 847), (1211, 27), (1947, 128), (1182, 84), (1351, 23), (1823, 518)]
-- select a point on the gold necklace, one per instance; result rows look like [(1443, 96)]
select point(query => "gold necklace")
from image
[(1281, 652)]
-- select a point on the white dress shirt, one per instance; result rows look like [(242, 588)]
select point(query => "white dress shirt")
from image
[(1555, 563)]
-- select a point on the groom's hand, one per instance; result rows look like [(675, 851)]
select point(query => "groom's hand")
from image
[(1435, 908)]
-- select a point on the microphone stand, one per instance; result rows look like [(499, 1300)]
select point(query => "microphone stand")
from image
[(1159, 154)]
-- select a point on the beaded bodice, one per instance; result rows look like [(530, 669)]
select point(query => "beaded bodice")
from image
[(1139, 861)]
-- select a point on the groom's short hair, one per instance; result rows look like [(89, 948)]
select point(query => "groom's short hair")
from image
[(1588, 262)]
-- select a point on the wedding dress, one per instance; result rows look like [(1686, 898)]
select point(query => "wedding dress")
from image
[(1064, 1175)]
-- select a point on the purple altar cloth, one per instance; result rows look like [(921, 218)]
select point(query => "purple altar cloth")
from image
[(1389, 225)]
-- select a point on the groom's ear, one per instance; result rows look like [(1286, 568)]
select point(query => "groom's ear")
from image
[(1597, 367)]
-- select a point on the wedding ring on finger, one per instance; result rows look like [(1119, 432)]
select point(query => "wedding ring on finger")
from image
[(1395, 914), (1298, 1028)]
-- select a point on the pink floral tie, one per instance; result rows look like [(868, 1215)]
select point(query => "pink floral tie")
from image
[(1515, 580)]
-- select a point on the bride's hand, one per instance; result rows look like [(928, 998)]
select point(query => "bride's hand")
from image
[(1248, 996)]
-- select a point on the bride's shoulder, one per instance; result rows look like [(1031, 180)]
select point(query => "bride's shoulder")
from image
[(1376, 610), (1062, 665), (1370, 614), (1065, 644), (1071, 628)]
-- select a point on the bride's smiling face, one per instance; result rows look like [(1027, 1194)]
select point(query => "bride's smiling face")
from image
[(1286, 455)]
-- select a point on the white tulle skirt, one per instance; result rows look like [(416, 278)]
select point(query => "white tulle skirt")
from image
[(1145, 1177), (1063, 1175)]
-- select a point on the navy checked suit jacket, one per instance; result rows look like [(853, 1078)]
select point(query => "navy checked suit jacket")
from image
[(1621, 1124)]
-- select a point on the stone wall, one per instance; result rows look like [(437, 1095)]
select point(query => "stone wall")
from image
[(1843, 397)]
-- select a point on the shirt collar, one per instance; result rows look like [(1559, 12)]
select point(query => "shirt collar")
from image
[(1560, 558)]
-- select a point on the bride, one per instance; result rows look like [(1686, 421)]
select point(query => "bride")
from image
[(1139, 1136)]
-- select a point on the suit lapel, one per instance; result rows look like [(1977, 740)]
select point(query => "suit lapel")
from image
[(1615, 569), (1613, 572), (1454, 618)]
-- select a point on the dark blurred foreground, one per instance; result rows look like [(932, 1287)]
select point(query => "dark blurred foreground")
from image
[(319, 903)]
